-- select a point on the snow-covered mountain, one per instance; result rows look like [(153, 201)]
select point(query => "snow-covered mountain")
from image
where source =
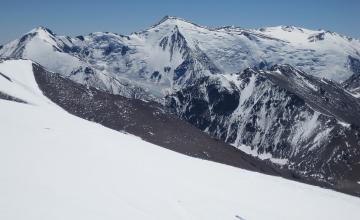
[(288, 107), (44, 47), (56, 165), (165, 56)]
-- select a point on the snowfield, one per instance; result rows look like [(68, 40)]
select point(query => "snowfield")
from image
[(54, 165)]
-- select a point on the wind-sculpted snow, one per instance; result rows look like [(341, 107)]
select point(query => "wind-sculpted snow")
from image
[(54, 165)]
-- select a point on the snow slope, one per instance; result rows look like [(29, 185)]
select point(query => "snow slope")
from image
[(56, 166)]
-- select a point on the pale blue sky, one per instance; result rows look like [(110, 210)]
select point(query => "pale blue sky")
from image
[(81, 17)]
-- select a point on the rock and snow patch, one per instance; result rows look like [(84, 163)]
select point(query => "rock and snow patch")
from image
[(344, 124), (262, 156)]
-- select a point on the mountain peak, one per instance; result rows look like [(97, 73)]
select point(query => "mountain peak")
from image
[(168, 17), (286, 70), (173, 20), (41, 29)]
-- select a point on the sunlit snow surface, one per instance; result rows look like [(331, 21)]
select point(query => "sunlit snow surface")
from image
[(56, 166)]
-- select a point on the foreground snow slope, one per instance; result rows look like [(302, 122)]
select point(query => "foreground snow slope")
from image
[(54, 165)]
